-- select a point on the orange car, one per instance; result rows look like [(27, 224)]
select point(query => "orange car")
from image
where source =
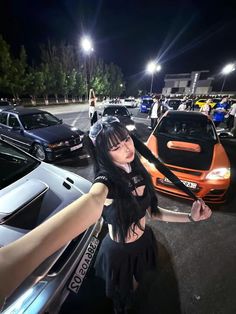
[(187, 143)]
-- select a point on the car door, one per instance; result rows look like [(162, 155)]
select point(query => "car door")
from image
[(15, 134)]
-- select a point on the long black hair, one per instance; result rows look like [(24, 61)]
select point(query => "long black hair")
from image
[(106, 135)]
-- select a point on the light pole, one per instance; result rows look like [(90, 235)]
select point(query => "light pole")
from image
[(225, 71), (151, 68), (87, 47)]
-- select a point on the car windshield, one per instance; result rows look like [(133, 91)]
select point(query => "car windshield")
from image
[(174, 102), (14, 164), (147, 101), (187, 128), (38, 120), (115, 112)]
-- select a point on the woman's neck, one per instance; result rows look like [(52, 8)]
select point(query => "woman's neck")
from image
[(125, 167)]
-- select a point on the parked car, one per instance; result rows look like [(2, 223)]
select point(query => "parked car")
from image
[(40, 133), (30, 192), (122, 113), (171, 104), (130, 102), (201, 102), (188, 144), (5, 105), (145, 104)]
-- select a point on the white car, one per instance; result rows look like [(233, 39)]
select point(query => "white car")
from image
[(30, 192), (130, 102)]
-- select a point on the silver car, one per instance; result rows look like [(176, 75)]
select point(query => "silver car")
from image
[(30, 192)]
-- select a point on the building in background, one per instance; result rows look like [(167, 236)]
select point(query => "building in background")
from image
[(194, 83)]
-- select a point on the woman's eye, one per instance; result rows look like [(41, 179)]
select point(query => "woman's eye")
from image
[(127, 138), (115, 148)]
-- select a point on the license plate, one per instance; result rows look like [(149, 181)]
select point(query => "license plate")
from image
[(76, 147), (83, 266), (191, 185)]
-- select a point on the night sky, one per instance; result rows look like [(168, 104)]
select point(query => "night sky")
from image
[(182, 36)]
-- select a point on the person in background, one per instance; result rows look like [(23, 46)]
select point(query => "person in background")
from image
[(189, 104), (155, 112), (231, 118), (92, 107), (182, 106), (220, 110), (206, 108), (122, 192)]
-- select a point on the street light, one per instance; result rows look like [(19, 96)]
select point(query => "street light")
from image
[(227, 70), (87, 47), (86, 44), (152, 67)]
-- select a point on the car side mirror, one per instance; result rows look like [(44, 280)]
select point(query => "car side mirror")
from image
[(61, 121), (226, 135)]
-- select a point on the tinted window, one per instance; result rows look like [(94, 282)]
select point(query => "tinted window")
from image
[(13, 121), (38, 120), (5, 104), (14, 164), (147, 101), (3, 118), (187, 128), (115, 112)]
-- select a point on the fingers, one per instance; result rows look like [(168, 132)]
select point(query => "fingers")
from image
[(200, 209)]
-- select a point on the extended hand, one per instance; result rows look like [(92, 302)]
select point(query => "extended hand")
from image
[(200, 211)]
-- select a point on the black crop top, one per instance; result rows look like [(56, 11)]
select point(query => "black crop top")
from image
[(135, 180)]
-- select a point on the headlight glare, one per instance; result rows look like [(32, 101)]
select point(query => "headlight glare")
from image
[(219, 174)]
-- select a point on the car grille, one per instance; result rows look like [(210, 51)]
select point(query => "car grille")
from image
[(192, 172), (74, 141)]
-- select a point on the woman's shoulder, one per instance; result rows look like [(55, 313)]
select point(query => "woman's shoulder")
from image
[(103, 177)]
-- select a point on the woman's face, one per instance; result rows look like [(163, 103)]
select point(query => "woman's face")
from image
[(124, 152)]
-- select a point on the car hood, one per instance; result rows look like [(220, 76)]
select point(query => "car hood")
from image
[(198, 161), (125, 120), (55, 133)]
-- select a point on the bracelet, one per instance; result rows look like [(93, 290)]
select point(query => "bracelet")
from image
[(191, 218)]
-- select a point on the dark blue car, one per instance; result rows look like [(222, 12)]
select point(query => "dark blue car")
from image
[(145, 104), (40, 133)]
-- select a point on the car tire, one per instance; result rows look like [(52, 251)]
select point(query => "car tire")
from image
[(39, 152)]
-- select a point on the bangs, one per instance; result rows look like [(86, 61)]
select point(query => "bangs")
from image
[(114, 135)]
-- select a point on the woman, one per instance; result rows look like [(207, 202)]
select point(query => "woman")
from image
[(122, 192), (206, 107)]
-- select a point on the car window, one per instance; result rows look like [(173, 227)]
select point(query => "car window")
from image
[(115, 112), (187, 128), (147, 101), (38, 120), (3, 118), (5, 104), (14, 164), (13, 121)]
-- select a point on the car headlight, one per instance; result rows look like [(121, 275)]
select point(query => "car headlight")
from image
[(130, 127), (56, 145), (22, 303), (219, 174)]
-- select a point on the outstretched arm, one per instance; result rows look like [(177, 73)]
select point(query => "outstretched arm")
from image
[(21, 257), (199, 211)]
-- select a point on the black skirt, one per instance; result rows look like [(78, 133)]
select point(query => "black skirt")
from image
[(118, 263)]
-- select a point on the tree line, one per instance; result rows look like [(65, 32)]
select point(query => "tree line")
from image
[(62, 72)]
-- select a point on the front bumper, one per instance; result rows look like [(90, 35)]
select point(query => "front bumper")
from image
[(53, 154)]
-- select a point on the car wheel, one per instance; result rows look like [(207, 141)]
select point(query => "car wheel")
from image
[(39, 152)]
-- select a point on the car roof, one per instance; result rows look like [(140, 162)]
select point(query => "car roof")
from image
[(23, 111)]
